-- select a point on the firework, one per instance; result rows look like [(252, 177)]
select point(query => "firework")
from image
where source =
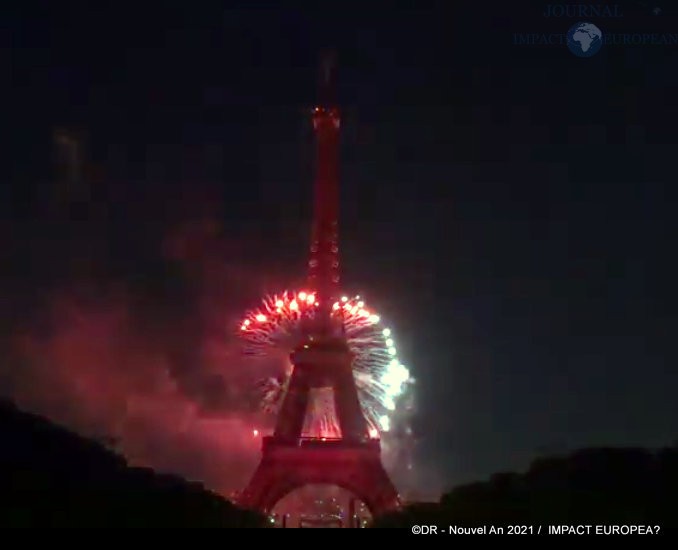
[(380, 377)]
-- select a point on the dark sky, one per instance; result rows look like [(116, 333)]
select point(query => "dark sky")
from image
[(510, 209)]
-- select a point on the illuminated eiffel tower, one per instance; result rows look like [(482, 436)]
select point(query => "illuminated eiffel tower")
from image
[(322, 360)]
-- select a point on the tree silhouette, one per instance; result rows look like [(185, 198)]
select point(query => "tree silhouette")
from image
[(50, 477)]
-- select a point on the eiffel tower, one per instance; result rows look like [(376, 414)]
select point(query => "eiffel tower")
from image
[(322, 360)]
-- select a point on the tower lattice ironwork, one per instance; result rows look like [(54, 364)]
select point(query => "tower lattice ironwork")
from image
[(322, 359)]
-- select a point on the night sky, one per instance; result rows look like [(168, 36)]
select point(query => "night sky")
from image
[(510, 209)]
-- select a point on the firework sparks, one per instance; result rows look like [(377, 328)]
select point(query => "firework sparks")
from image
[(379, 375)]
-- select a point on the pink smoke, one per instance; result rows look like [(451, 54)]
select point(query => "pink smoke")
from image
[(88, 363)]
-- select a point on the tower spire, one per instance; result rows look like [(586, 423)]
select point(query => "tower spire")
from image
[(327, 79)]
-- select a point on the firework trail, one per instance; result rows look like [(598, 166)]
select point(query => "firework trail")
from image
[(380, 377)]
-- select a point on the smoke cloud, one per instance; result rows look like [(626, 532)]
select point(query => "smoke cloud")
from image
[(157, 377)]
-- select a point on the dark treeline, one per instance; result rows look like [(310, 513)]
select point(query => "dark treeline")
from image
[(50, 477), (601, 486)]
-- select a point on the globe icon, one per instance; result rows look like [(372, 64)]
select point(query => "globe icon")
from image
[(584, 39)]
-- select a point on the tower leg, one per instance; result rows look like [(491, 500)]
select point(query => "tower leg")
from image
[(290, 422), (347, 406)]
